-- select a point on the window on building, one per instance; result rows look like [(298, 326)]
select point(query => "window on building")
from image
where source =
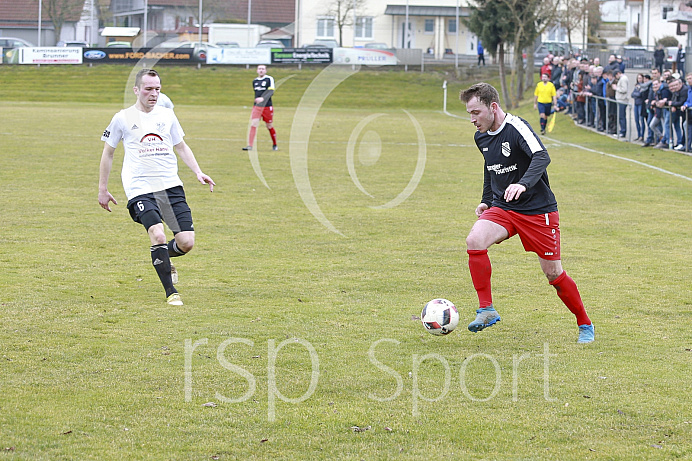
[(452, 26), (325, 27), (364, 27), (557, 34), (429, 26), (665, 10), (121, 5)]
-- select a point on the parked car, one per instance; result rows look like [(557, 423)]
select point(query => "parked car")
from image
[(376, 46), (117, 44), (323, 44), (270, 44), (8, 43), (554, 48), (671, 56), (637, 56), (75, 43), (199, 48)]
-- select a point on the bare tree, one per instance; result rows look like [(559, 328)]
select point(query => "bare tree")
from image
[(574, 17), (511, 25), (61, 11), (211, 9), (545, 15), (342, 12)]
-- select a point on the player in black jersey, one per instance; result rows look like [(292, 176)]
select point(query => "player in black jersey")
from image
[(263, 109), (517, 199)]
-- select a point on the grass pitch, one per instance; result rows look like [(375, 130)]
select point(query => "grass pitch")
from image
[(296, 342)]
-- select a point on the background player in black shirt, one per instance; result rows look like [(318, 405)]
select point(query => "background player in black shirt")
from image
[(263, 109), (516, 200)]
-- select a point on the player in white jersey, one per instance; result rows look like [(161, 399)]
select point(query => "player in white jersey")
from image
[(151, 136), (164, 101)]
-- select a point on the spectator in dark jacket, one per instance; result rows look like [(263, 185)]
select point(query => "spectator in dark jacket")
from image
[(687, 107), (639, 94), (680, 60), (677, 116), (659, 58)]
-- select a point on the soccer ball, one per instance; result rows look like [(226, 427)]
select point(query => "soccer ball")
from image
[(439, 317)]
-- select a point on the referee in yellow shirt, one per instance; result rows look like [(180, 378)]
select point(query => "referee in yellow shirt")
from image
[(545, 97)]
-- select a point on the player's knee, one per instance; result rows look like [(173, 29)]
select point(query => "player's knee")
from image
[(157, 236), (552, 273), (475, 241), (185, 241)]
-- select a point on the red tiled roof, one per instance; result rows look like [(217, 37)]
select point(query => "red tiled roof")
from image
[(263, 11), (12, 11), (282, 11)]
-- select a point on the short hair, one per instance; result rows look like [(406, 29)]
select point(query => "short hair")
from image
[(142, 73), (485, 92)]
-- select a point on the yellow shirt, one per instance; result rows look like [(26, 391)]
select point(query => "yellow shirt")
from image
[(545, 92)]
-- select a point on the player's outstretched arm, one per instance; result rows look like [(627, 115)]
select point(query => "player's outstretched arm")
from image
[(188, 157), (105, 197)]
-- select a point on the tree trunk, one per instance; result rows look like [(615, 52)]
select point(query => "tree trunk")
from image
[(509, 104), (530, 55)]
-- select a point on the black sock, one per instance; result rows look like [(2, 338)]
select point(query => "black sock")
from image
[(173, 250), (162, 264)]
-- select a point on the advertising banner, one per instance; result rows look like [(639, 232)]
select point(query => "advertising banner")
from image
[(50, 55), (128, 55), (302, 56), (364, 56), (239, 56)]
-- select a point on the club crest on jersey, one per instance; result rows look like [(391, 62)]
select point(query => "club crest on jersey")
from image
[(151, 137), (160, 126), (505, 149)]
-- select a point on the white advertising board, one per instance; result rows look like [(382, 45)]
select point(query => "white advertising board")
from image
[(50, 55), (239, 56), (364, 56)]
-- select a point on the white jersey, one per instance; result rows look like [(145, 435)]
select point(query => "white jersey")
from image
[(164, 101), (150, 163)]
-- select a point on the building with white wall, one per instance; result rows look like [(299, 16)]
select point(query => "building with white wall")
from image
[(432, 26)]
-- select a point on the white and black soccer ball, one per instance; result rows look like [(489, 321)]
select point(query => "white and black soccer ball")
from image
[(439, 316)]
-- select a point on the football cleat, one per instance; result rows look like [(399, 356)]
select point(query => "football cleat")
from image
[(485, 317), (175, 300), (586, 334)]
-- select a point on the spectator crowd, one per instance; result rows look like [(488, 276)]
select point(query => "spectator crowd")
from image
[(600, 97)]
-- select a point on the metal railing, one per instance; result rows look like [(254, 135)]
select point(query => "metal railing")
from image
[(603, 115)]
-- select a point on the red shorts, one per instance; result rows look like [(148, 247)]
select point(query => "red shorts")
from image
[(263, 113), (538, 233)]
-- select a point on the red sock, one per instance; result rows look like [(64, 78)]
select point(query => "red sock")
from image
[(481, 270), (272, 133), (569, 294), (253, 131)]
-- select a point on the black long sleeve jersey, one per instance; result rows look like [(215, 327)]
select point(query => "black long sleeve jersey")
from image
[(515, 155), (264, 88)]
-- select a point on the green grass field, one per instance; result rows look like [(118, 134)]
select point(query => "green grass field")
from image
[(291, 334)]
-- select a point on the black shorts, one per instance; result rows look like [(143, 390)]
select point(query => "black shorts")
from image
[(167, 206)]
